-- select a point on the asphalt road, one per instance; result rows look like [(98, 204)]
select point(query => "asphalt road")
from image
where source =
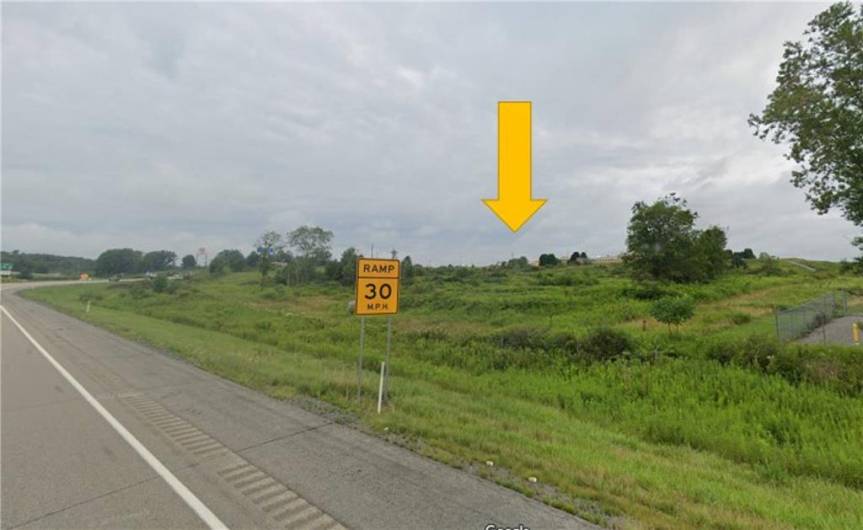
[(837, 331), (132, 438)]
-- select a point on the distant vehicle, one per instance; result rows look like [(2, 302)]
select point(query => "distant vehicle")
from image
[(114, 278)]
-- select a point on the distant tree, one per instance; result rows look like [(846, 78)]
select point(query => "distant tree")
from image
[(189, 262), (299, 270), (48, 263), (817, 108), (118, 261), (217, 265), (24, 267), (517, 263), (407, 269), (232, 259), (577, 258), (748, 253), (253, 259), (283, 256), (663, 244), (738, 260), (269, 247), (548, 260), (711, 254), (158, 260), (312, 243), (673, 310), (348, 266)]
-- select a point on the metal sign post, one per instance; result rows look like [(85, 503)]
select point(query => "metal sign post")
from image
[(387, 359), (360, 360)]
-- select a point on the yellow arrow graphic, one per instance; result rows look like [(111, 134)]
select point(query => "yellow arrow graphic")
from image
[(514, 204)]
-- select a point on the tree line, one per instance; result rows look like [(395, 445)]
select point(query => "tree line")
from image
[(301, 256), (26, 264)]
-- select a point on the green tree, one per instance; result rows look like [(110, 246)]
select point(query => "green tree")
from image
[(24, 267), (118, 261), (738, 260), (269, 247), (312, 243), (253, 260), (517, 263), (673, 310), (577, 258), (348, 266), (217, 265), (189, 262), (407, 269), (158, 260), (817, 108), (48, 263), (713, 260), (663, 244), (548, 260), (231, 258)]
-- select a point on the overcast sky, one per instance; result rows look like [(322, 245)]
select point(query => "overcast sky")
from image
[(180, 126)]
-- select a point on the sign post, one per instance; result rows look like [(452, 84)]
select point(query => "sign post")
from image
[(387, 357), (377, 293), (360, 360)]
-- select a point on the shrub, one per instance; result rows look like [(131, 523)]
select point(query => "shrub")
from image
[(520, 338), (740, 318), (758, 351), (159, 284), (768, 265), (140, 290), (645, 291), (723, 351), (673, 310), (839, 368), (567, 280), (90, 297), (603, 344)]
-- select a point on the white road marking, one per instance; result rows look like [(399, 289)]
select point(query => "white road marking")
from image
[(209, 518)]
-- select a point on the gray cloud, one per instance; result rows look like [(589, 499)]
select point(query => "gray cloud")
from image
[(186, 125)]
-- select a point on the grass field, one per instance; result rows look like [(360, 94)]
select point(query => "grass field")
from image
[(490, 365)]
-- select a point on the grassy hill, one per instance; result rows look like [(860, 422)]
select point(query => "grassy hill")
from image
[(556, 374)]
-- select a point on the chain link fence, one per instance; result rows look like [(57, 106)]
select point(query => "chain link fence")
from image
[(799, 321)]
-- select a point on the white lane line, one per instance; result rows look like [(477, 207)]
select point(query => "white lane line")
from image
[(209, 518)]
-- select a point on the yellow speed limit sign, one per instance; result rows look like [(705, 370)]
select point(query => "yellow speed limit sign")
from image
[(377, 286)]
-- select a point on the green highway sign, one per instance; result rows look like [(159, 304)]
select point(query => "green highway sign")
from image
[(6, 266)]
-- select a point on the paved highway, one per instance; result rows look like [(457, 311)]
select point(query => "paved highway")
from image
[(100, 432)]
